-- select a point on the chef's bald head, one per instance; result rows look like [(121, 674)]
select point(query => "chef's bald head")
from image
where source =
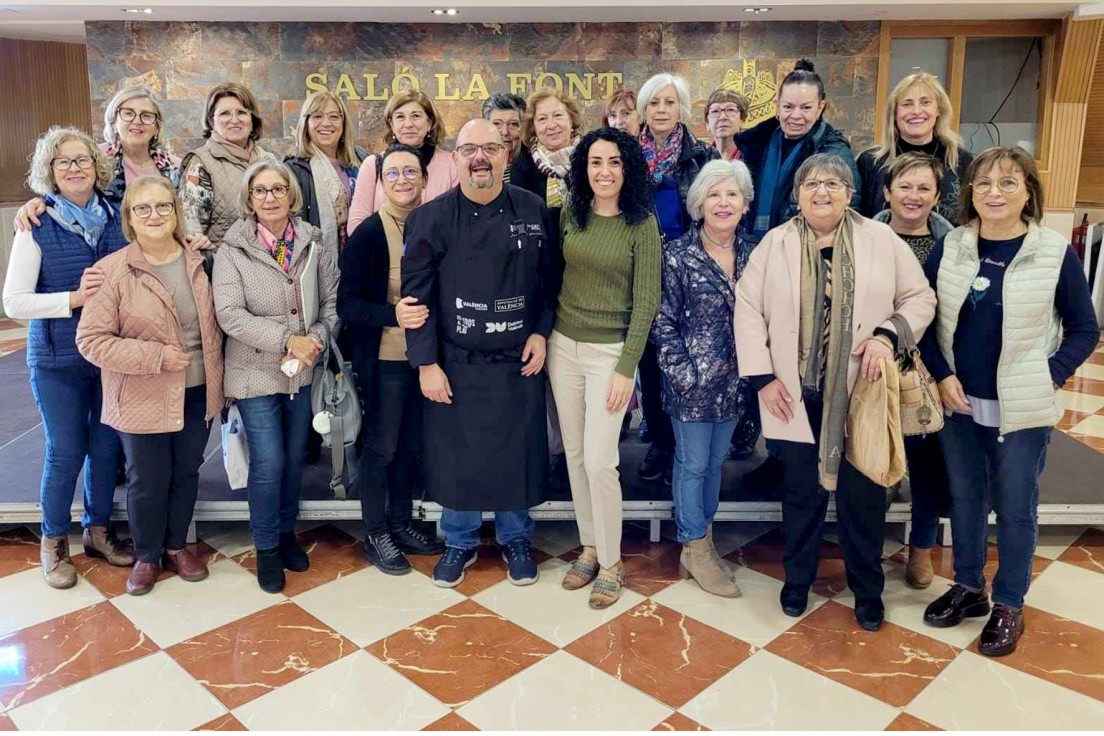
[(479, 128), (480, 157)]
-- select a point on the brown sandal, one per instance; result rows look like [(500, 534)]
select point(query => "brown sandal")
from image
[(607, 588), (583, 569)]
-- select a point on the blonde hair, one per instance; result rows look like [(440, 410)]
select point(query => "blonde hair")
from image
[(140, 185), (950, 138), (346, 153), (111, 112), (245, 197), (529, 128), (436, 134), (40, 177)]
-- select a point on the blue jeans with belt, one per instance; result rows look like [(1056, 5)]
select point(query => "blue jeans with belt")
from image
[(69, 401)]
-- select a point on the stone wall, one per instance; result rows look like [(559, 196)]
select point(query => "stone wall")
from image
[(457, 64)]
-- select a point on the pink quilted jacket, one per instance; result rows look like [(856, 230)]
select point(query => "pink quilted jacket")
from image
[(125, 327)]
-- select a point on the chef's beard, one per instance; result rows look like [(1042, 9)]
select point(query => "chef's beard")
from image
[(487, 183)]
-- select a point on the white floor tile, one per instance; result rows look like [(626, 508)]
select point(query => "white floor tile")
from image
[(978, 694), (1086, 403), (231, 538), (1092, 426), (151, 694), (368, 605), (177, 610), (556, 537), (755, 617), (549, 611), (770, 693), (1071, 592), (564, 693), (356, 693), (26, 600), (1091, 370), (1054, 540)]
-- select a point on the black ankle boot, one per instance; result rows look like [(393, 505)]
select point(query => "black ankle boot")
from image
[(270, 570), (794, 600), (292, 555)]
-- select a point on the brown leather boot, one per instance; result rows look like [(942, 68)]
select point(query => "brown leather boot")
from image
[(56, 565), (189, 567), (918, 571), (142, 578), (99, 541)]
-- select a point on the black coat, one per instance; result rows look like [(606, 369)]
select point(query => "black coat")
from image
[(950, 187), (694, 155), (300, 167), (525, 174)]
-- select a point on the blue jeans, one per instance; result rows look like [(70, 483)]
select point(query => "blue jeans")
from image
[(700, 452), (461, 528), (69, 401), (980, 468), (276, 429)]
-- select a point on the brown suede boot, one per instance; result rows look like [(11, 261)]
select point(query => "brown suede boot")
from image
[(919, 572), (56, 565), (99, 541), (699, 561), (722, 561)]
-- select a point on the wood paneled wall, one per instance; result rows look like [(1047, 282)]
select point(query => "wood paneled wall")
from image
[(43, 83), (1090, 187)]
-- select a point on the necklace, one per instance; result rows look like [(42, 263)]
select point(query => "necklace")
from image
[(724, 246)]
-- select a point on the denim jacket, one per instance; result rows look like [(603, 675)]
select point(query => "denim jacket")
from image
[(693, 334)]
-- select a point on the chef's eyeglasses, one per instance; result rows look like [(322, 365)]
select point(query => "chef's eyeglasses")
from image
[(143, 211), (410, 173), (490, 150)]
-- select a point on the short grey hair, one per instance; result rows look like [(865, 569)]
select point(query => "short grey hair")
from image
[(712, 174), (245, 199), (126, 94), (504, 101), (40, 177), (654, 85), (830, 163)]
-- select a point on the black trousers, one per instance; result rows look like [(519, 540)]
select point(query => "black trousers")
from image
[(392, 436), (162, 480), (651, 401), (860, 511)]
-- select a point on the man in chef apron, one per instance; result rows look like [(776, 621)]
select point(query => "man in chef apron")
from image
[(482, 263)]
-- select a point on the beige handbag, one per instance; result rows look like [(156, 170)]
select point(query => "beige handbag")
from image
[(875, 444), (921, 407)]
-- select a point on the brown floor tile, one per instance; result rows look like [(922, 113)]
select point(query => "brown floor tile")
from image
[(487, 570), (6, 723), (111, 580), (765, 555), (333, 554), (1061, 651), (679, 722), (461, 652), (18, 550), (67, 650), (1087, 551), (943, 562), (451, 722), (1097, 443), (1096, 358), (10, 324), (1070, 419), (892, 665), (223, 723), (661, 652), (1082, 385), (259, 653), (906, 722), (7, 347)]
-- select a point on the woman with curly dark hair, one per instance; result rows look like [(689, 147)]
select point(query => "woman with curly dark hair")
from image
[(610, 295)]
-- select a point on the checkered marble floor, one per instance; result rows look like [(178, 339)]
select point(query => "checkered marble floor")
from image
[(346, 647)]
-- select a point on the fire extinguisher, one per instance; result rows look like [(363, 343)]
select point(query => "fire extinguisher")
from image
[(1079, 234)]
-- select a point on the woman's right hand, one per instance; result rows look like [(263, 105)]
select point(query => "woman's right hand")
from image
[(950, 391), (28, 214), (91, 281), (409, 314), (174, 359), (304, 348), (777, 400)]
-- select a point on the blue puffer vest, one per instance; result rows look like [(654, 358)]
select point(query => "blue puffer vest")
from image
[(52, 343)]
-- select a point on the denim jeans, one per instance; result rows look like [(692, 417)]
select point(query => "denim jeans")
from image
[(927, 486), (461, 528), (981, 466), (276, 429), (69, 401), (391, 435), (700, 452)]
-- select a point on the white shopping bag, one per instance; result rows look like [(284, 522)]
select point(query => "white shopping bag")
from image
[(235, 450)]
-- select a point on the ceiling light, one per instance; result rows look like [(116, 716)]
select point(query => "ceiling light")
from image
[(445, 11), (145, 11), (757, 11)]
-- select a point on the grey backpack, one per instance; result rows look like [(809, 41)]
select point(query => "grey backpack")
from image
[(334, 394)]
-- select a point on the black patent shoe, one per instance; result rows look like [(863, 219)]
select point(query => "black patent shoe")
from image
[(412, 542), (794, 600), (870, 614), (1002, 631), (956, 604)]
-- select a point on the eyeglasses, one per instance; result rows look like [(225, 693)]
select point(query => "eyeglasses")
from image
[(1007, 185), (143, 211), (127, 115), (490, 150), (727, 112), (830, 185), (227, 114), (64, 164), (333, 118), (410, 173), (260, 193)]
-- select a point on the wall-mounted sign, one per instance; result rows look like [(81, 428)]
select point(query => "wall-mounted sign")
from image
[(444, 86)]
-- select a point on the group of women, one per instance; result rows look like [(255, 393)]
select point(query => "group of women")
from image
[(749, 280)]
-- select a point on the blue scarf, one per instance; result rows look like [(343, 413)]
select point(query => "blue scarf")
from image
[(774, 171), (89, 221)]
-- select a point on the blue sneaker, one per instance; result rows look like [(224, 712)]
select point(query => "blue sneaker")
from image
[(449, 571), (520, 564)]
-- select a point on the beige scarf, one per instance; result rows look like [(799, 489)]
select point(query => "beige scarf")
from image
[(233, 152), (332, 200), (555, 165), (812, 344)]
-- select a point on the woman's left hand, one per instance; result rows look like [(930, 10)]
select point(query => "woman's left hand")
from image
[(873, 350), (620, 393), (199, 241)]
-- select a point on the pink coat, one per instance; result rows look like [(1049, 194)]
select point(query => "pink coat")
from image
[(368, 197), (888, 280)]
